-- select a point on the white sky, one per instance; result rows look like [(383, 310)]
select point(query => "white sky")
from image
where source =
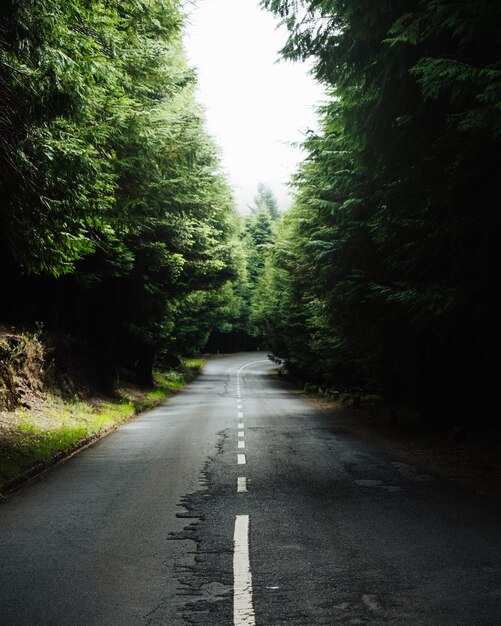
[(254, 106)]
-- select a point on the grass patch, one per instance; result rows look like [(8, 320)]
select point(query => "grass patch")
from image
[(57, 425), (194, 366)]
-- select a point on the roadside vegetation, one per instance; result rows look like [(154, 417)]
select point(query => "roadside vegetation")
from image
[(385, 275), (51, 420), (118, 228)]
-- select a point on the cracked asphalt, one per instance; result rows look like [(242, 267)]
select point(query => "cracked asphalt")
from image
[(138, 529)]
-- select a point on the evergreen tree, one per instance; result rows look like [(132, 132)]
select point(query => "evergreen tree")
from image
[(265, 199), (117, 225), (397, 231)]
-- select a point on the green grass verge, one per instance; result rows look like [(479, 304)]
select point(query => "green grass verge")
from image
[(59, 426)]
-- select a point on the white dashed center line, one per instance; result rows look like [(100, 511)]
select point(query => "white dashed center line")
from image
[(243, 609)]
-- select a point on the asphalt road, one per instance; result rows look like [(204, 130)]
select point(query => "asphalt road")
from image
[(162, 522)]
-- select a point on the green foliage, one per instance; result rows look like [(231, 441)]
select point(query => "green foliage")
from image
[(387, 272), (265, 199), (58, 180), (259, 233), (113, 195)]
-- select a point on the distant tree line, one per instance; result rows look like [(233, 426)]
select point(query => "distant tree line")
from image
[(117, 229), (257, 233), (386, 272)]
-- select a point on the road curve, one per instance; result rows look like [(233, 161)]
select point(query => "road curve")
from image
[(236, 502)]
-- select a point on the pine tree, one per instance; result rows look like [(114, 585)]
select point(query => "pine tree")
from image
[(117, 224), (397, 228), (265, 199)]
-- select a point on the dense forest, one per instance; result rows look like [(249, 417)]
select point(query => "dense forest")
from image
[(386, 271), (119, 232)]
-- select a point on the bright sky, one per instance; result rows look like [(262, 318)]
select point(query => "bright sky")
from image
[(255, 107)]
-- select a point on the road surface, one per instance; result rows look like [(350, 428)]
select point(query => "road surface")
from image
[(236, 502)]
